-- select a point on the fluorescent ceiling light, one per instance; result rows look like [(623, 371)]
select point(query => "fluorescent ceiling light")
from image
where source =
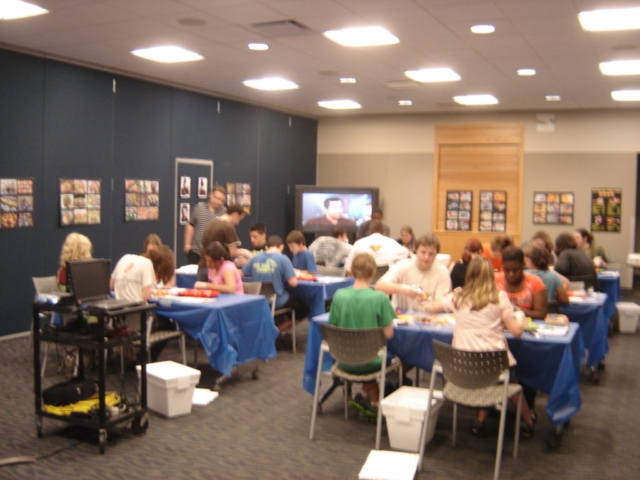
[(433, 75), (258, 46), (621, 67), (610, 19), (12, 9), (552, 98), (362, 36), (347, 80), (405, 102), (167, 54), (526, 72), (626, 95), (339, 104), (271, 83), (483, 99), (481, 29)]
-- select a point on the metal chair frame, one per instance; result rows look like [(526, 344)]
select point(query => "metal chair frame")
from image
[(269, 292), (354, 347), (474, 379)]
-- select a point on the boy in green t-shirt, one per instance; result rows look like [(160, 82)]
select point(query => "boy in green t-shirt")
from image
[(360, 307)]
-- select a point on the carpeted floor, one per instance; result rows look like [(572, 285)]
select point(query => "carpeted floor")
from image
[(259, 429)]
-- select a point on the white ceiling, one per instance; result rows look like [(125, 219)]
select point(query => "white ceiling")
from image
[(540, 34)]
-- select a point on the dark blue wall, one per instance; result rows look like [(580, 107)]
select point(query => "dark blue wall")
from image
[(58, 120)]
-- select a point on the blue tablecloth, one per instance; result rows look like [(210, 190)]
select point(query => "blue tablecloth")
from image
[(550, 364), (313, 294), (594, 326), (610, 284), (186, 280), (233, 329)]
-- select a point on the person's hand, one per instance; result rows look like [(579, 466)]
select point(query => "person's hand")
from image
[(409, 291), (200, 285), (598, 262)]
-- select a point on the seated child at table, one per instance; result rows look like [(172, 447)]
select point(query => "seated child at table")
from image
[(75, 247), (303, 259), (482, 313), (359, 307), (221, 273)]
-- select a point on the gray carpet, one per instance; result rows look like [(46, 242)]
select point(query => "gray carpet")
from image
[(259, 429)]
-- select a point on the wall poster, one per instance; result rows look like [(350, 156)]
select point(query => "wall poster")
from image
[(493, 211), (79, 201), (141, 200), (606, 209), (553, 208), (459, 204), (16, 202), (239, 194)]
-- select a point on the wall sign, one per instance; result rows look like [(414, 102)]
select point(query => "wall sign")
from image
[(459, 207), (553, 208), (493, 211), (16, 202), (606, 209)]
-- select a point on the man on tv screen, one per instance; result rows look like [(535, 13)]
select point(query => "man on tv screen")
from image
[(333, 215)]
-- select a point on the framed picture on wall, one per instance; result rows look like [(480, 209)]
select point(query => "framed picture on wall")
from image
[(493, 211), (80, 201), (16, 202), (185, 213), (141, 200), (239, 194), (606, 209), (553, 208), (203, 190), (458, 210), (185, 187)]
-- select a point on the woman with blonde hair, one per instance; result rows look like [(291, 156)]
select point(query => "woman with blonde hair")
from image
[(151, 241), (75, 247), (482, 313), (407, 238)]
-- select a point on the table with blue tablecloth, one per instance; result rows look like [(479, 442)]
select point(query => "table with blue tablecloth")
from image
[(233, 329), (550, 364), (610, 284), (594, 326), (186, 280)]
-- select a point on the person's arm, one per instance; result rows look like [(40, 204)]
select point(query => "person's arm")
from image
[(508, 316), (565, 280), (233, 251), (293, 282), (146, 292), (391, 288), (112, 284), (539, 307), (188, 237), (561, 295), (388, 331)]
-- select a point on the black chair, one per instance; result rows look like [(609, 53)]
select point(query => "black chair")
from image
[(478, 380), (354, 347), (269, 292)]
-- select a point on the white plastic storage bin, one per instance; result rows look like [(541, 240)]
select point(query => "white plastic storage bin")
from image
[(628, 313), (404, 410), (170, 387)]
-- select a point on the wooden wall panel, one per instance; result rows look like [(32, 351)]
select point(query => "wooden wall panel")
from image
[(477, 158)]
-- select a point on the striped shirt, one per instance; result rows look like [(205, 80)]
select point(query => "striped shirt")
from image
[(200, 218)]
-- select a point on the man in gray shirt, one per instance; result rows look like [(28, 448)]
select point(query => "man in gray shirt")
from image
[(201, 215)]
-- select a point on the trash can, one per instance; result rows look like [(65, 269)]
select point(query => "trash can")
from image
[(628, 313)]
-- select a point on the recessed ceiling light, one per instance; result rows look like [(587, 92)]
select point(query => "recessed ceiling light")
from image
[(552, 98), (339, 104), (621, 67), (167, 54), (526, 72), (481, 29), (483, 99), (610, 19), (191, 22), (626, 95), (258, 46), (362, 36), (12, 9), (433, 75), (347, 80), (271, 83), (405, 102)]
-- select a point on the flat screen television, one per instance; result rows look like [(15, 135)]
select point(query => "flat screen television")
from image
[(319, 209)]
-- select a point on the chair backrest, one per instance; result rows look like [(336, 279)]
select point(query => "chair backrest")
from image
[(553, 307), (252, 288), (470, 369), (45, 284), (331, 271), (353, 347), (380, 271)]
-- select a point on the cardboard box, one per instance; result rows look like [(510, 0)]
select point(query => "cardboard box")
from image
[(170, 387)]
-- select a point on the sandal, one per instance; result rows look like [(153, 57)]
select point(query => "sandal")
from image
[(478, 428), (526, 430)]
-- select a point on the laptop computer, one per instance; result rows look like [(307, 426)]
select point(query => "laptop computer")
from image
[(89, 282)]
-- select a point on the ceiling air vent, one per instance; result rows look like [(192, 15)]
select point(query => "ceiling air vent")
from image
[(398, 84), (281, 28)]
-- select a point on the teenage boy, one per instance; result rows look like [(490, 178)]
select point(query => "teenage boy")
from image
[(360, 307), (258, 237), (303, 259), (272, 266), (422, 275)]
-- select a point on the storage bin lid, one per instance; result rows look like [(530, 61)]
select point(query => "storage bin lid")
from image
[(169, 370), (629, 306)]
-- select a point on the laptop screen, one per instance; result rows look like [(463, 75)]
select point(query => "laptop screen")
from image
[(89, 279)]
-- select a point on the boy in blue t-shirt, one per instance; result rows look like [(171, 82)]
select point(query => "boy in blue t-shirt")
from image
[(303, 259), (272, 266)]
